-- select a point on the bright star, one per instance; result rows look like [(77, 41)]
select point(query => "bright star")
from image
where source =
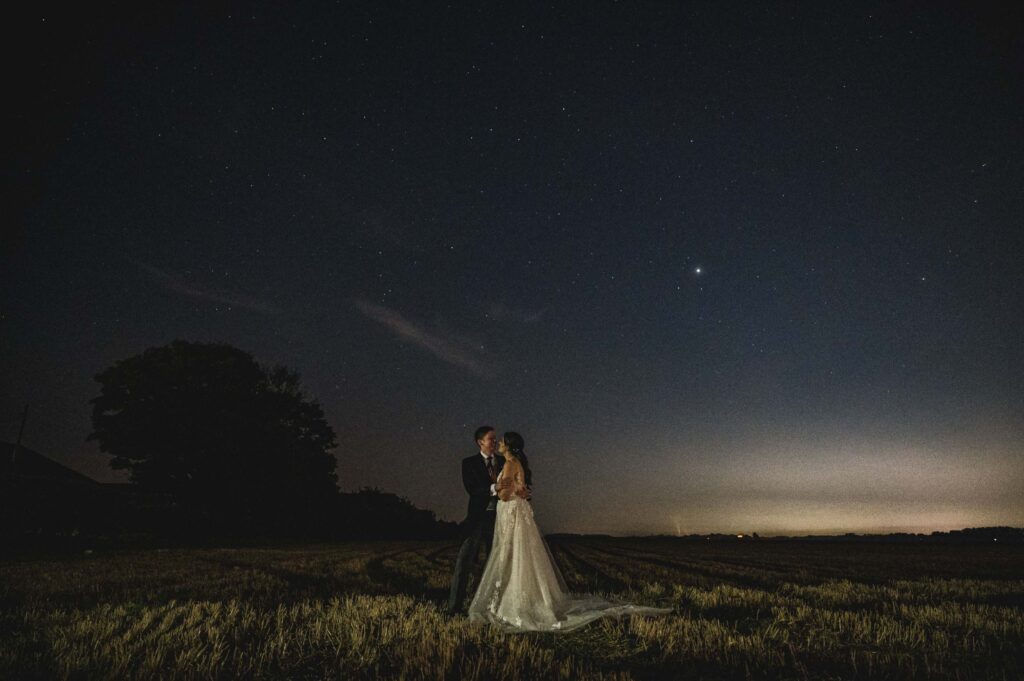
[(697, 270)]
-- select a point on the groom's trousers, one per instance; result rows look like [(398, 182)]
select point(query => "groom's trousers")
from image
[(480, 534)]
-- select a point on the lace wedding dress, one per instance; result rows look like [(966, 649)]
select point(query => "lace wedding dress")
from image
[(521, 588)]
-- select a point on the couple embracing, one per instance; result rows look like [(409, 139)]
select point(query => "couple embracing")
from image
[(521, 588)]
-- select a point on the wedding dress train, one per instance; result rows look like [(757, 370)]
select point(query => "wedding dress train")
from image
[(521, 588)]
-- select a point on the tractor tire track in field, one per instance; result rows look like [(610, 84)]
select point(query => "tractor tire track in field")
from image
[(734, 569), (391, 580), (779, 567), (440, 563), (590, 573), (706, 570), (301, 583), (738, 617)]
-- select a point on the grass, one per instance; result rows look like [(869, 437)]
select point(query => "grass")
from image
[(765, 610)]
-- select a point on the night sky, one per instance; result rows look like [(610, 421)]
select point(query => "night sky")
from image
[(727, 267)]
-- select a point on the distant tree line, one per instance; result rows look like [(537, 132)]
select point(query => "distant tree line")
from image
[(217, 446)]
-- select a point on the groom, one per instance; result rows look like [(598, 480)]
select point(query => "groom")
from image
[(479, 477)]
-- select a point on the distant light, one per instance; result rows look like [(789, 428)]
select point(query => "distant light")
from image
[(697, 270), (739, 536)]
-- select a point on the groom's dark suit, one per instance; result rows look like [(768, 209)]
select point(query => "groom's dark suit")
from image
[(478, 527)]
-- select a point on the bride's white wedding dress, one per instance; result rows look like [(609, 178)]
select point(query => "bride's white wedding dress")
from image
[(521, 588)]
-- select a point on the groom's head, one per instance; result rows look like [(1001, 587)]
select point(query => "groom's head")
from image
[(486, 439)]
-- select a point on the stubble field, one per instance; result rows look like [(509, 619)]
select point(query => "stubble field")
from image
[(758, 610)]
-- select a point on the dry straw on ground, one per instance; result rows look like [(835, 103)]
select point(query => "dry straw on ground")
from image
[(373, 610)]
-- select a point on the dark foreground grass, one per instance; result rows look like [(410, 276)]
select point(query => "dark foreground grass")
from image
[(373, 610)]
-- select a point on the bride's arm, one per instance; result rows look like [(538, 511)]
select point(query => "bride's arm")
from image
[(519, 484)]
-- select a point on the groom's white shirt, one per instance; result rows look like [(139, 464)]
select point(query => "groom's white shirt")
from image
[(494, 492)]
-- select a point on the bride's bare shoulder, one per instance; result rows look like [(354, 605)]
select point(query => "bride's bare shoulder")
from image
[(513, 465)]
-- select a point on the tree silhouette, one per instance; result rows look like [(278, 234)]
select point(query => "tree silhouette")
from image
[(233, 443), (385, 515)]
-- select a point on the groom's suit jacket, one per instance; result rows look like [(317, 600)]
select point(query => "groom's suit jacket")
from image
[(477, 482)]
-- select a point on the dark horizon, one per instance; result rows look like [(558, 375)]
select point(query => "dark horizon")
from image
[(750, 269), (10, 464)]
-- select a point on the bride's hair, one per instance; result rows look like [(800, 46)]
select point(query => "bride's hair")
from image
[(514, 442)]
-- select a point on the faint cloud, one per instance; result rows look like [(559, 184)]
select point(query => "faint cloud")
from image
[(503, 313), (177, 284), (445, 346)]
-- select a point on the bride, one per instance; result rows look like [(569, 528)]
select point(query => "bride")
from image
[(521, 588)]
